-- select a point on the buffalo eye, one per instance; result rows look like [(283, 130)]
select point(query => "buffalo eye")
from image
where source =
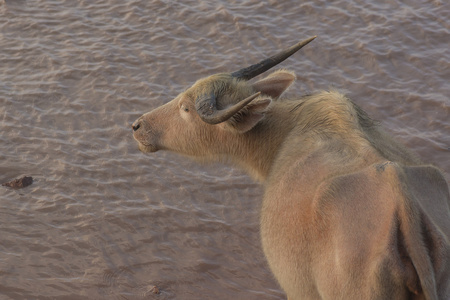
[(185, 108)]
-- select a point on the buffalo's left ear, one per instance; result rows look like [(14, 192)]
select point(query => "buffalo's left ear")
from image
[(275, 84), (249, 116)]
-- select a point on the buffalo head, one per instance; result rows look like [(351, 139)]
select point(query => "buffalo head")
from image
[(207, 119)]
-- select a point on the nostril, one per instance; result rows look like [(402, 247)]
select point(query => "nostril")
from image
[(136, 125)]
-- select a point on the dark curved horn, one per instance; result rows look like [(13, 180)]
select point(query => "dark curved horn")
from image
[(259, 68), (207, 108)]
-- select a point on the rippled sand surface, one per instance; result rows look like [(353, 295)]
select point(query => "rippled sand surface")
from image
[(104, 221)]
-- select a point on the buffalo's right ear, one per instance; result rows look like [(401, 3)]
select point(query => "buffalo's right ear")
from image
[(249, 116), (275, 84)]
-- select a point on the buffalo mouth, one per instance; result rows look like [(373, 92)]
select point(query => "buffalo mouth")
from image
[(145, 142), (147, 148)]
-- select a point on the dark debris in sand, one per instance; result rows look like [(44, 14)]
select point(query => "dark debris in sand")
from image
[(19, 183)]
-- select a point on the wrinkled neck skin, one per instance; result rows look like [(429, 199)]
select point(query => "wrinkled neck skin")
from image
[(255, 151)]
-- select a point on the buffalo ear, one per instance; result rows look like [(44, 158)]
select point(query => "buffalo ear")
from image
[(249, 116), (275, 84)]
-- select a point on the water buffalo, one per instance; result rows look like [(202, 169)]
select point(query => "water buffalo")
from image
[(347, 213)]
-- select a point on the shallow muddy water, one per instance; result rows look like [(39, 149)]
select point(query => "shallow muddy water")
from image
[(104, 221)]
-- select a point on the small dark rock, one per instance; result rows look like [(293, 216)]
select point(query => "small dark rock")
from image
[(20, 182)]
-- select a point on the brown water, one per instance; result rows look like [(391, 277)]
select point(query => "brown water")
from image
[(104, 221)]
